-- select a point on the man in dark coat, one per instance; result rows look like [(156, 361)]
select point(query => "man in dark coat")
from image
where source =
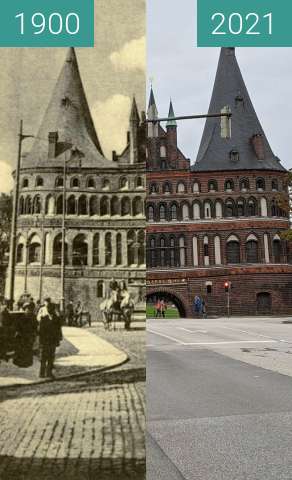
[(50, 335)]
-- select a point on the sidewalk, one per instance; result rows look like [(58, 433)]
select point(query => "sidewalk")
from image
[(80, 352)]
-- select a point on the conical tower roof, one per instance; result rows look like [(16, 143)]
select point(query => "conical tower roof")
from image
[(134, 115), (68, 114), (152, 108), (215, 151), (171, 116)]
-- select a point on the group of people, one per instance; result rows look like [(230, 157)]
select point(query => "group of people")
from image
[(34, 327), (160, 308), (74, 315)]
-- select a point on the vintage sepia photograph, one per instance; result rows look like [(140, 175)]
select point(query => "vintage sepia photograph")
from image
[(73, 265)]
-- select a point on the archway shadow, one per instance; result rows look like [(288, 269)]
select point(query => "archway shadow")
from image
[(169, 298)]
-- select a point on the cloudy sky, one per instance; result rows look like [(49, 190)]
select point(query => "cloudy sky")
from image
[(112, 73), (186, 73)]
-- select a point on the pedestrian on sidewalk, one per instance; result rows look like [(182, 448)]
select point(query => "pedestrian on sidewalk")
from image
[(78, 314), (50, 335), (70, 314), (158, 309)]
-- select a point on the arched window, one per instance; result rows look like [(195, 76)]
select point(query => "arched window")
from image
[(260, 184), (139, 182), (50, 205), (185, 212), (108, 248), (39, 182), (181, 188), (275, 185), (93, 206), (153, 189), (240, 208), (137, 206), (244, 184), (104, 206), (131, 237), (207, 210), (96, 240), (75, 183), (57, 251), (105, 184), (166, 188), (275, 209), (21, 208), (195, 252), (100, 289), (80, 251), (34, 250), (173, 211), (206, 251), (252, 209), (150, 214), (212, 186), (196, 211), (264, 207), (82, 205), (25, 183), (229, 185), (218, 208), (163, 151), (124, 183), (162, 249), (162, 213), (37, 205), (277, 249), (91, 182), (59, 182), (182, 252), (115, 206), (152, 253), (229, 208), (196, 187), (119, 249), (20, 250), (28, 206), (126, 206), (141, 247), (217, 246), (59, 205), (71, 205), (172, 252), (252, 254), (233, 250)]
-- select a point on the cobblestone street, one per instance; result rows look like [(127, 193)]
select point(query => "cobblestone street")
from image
[(87, 429)]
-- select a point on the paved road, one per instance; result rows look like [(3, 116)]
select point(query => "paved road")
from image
[(213, 412)]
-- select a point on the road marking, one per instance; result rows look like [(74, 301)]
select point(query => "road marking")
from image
[(231, 342), (165, 336), (255, 334), (191, 331)]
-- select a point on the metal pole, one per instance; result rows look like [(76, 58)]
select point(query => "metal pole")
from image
[(42, 255), (228, 302), (63, 254), (14, 218), (190, 117)]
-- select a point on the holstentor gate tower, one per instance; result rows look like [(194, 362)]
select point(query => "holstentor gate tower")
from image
[(218, 220), (103, 200)]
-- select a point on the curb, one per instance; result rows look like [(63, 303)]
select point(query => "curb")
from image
[(64, 377)]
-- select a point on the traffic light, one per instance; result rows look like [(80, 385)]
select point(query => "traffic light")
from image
[(227, 286), (226, 122)]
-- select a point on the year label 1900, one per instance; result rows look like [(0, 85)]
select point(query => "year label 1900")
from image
[(55, 23)]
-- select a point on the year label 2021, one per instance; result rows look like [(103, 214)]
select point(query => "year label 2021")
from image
[(238, 24)]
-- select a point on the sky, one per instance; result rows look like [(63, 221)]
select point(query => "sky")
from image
[(112, 72), (186, 73)]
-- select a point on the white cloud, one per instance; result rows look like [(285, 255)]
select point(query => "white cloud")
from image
[(111, 119), (132, 56), (6, 180)]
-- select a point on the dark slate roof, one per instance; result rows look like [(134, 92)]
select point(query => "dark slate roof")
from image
[(171, 117), (134, 115), (214, 152), (151, 99), (68, 114)]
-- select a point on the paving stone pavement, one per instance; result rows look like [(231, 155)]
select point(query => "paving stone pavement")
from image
[(76, 431)]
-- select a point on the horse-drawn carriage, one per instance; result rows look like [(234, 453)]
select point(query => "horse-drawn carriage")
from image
[(118, 306)]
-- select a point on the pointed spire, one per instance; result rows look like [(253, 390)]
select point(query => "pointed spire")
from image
[(171, 116), (69, 116), (134, 115), (151, 99), (217, 153)]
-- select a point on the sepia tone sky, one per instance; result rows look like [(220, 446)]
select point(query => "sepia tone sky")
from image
[(112, 72), (186, 73)]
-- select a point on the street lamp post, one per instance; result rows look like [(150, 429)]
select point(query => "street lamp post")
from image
[(21, 137)]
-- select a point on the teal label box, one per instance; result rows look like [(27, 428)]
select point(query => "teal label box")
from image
[(47, 23), (244, 23)]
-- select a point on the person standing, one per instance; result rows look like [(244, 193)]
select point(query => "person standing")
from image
[(163, 308), (50, 335), (78, 314), (70, 314)]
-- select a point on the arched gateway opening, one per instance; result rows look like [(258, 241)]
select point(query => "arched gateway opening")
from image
[(175, 307)]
